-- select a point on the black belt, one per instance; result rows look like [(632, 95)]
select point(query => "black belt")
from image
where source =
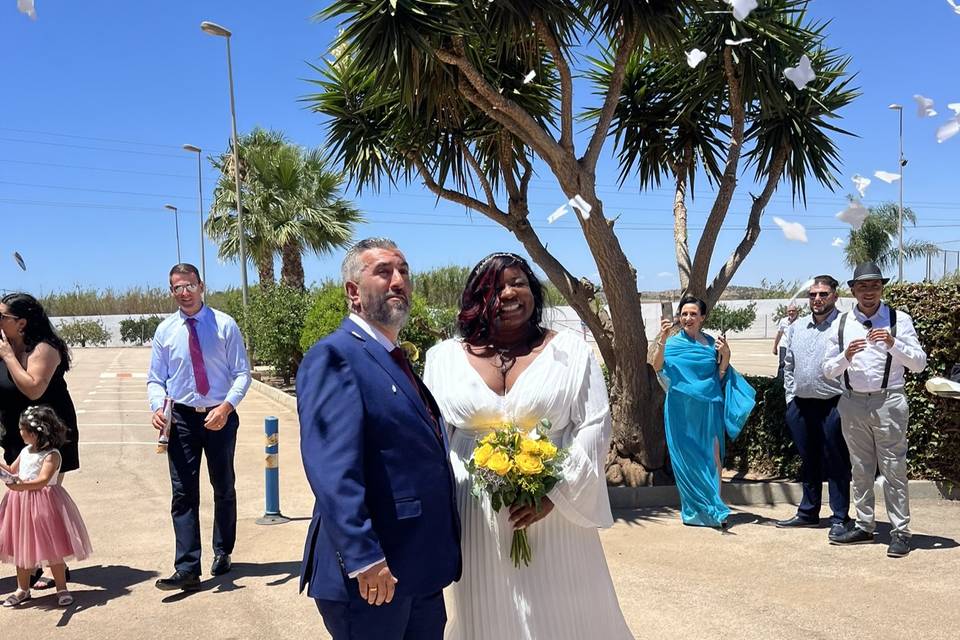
[(188, 409)]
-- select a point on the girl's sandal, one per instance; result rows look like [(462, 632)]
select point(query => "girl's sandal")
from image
[(64, 599), (16, 598)]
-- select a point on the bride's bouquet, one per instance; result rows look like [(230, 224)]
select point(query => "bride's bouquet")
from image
[(515, 467)]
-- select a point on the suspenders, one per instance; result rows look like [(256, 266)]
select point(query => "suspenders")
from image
[(887, 364)]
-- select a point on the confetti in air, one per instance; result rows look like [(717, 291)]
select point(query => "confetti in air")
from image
[(556, 215), (581, 205), (742, 8), (854, 215), (924, 106), (886, 176), (800, 75), (529, 77), (861, 184), (792, 230), (26, 6), (837, 242), (695, 57)]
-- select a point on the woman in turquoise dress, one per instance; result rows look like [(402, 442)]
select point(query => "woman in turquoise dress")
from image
[(706, 398)]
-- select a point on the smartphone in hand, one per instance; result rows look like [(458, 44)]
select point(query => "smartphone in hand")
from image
[(666, 311)]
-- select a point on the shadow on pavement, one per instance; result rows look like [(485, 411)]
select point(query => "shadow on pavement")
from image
[(106, 583), (919, 541), (284, 572), (644, 514)]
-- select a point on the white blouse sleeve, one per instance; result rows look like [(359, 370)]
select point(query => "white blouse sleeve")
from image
[(581, 496)]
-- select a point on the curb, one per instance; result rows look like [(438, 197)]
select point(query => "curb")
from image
[(760, 493), (735, 493), (281, 397)]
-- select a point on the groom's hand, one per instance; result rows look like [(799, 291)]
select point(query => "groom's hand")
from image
[(522, 517), (377, 584)]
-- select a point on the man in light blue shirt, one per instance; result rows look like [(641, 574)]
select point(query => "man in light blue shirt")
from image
[(200, 362)]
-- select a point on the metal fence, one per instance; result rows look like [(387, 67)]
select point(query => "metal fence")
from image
[(942, 263)]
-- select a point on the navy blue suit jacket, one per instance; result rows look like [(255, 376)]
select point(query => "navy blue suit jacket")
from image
[(380, 475)]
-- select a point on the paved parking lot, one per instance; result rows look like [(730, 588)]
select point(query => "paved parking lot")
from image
[(674, 582)]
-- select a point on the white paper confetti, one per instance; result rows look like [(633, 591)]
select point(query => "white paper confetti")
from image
[(695, 57), (956, 7), (948, 130), (734, 43), (854, 215), (802, 74), (26, 6), (924, 106), (556, 215), (886, 176), (861, 184), (837, 242), (530, 76), (792, 230), (581, 205), (742, 8), (955, 107)]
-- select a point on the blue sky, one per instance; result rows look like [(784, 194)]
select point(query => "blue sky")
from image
[(98, 97)]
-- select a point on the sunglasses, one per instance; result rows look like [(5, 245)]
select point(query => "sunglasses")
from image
[(819, 294), (7, 316), (180, 288)]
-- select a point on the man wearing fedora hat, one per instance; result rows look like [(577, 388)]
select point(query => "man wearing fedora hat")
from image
[(870, 350)]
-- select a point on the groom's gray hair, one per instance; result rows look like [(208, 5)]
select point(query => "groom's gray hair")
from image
[(352, 267)]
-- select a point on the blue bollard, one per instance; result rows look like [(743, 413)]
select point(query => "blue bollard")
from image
[(271, 473)]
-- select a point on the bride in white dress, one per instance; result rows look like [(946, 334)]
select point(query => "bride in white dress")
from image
[(507, 368)]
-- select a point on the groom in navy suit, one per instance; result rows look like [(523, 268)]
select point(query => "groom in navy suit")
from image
[(385, 536)]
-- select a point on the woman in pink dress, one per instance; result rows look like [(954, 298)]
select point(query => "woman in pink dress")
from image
[(39, 523)]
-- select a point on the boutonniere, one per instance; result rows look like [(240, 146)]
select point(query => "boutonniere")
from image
[(413, 353)]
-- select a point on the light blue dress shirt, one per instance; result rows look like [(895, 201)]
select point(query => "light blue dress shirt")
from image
[(224, 356)]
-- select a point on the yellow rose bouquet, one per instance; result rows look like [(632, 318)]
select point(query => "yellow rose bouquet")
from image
[(516, 467)]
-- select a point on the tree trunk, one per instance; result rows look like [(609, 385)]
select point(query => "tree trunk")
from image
[(291, 266), (636, 408), (265, 271)]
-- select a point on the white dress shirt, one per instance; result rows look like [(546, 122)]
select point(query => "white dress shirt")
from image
[(866, 369)]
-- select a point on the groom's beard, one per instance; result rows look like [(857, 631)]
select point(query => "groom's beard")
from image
[(389, 310)]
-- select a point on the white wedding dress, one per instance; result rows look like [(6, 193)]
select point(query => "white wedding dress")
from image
[(566, 593)]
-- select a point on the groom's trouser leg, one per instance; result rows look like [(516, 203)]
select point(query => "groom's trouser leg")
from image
[(357, 620), (428, 617)]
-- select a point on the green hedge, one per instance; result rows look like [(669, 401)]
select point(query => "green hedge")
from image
[(765, 445), (934, 433)]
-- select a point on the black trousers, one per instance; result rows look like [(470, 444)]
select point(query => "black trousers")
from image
[(815, 426), (409, 618), (189, 441)]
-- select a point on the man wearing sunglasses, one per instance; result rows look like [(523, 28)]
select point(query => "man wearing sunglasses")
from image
[(872, 348), (812, 413), (199, 360)]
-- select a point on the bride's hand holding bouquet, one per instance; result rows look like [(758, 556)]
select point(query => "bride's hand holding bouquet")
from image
[(517, 469)]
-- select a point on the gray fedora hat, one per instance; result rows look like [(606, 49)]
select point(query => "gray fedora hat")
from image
[(867, 271)]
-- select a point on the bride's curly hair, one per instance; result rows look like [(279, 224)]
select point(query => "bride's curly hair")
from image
[(480, 301)]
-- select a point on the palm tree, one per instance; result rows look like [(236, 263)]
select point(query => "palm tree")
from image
[(875, 241), (291, 205)]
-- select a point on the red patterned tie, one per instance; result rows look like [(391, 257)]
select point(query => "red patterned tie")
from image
[(196, 357)]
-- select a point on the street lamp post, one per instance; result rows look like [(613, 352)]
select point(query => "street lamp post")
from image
[(902, 163), (217, 30), (203, 259), (176, 223)]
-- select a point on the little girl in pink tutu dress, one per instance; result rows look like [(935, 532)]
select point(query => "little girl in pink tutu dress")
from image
[(39, 523)]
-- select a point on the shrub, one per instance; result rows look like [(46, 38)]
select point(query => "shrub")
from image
[(722, 318), (781, 312), (426, 325), (765, 445), (139, 330), (934, 430), (83, 332), (277, 314)]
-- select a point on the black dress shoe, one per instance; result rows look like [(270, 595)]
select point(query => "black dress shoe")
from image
[(221, 564), (180, 580), (856, 535), (796, 522)]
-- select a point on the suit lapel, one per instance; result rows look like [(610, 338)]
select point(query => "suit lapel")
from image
[(392, 369)]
